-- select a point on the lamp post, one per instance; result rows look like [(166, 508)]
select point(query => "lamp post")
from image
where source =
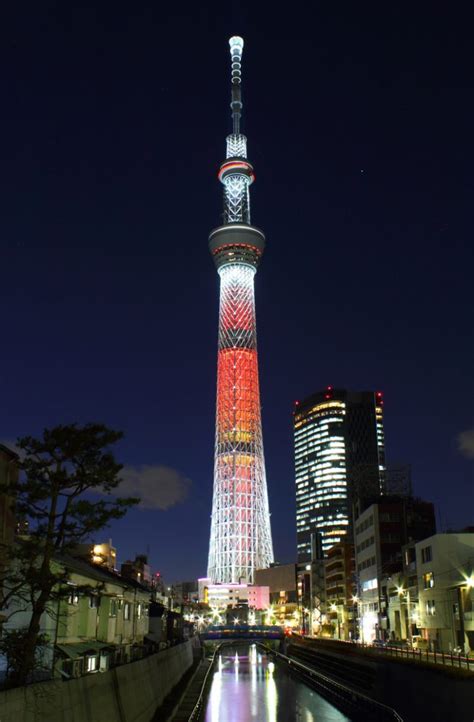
[(468, 584), (355, 611), (405, 593), (335, 608), (306, 616)]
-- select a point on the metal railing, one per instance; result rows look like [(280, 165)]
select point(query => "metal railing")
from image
[(336, 690), (448, 659), (198, 707)]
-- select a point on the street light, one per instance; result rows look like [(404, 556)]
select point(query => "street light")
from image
[(355, 622), (270, 614), (468, 585), (335, 608), (315, 621), (406, 593)]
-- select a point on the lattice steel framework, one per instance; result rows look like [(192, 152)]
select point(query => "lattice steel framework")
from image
[(240, 527)]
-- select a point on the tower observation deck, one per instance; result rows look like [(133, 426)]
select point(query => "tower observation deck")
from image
[(240, 539)]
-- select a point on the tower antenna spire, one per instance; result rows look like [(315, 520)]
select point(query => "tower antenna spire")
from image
[(241, 539), (236, 48)]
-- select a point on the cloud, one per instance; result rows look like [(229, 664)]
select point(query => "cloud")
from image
[(466, 443), (159, 487)]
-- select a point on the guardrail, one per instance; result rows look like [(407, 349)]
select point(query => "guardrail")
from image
[(332, 689), (198, 707), (448, 659)]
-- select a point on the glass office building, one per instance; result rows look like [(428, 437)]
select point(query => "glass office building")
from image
[(339, 453)]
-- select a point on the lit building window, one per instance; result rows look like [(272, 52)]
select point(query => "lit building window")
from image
[(428, 580), (92, 663), (369, 584), (73, 597)]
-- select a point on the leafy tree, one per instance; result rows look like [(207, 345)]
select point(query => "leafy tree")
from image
[(58, 471), (12, 643)]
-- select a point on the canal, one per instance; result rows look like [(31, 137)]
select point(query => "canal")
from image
[(249, 685)]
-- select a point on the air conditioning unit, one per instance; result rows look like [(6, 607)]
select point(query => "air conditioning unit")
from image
[(77, 668)]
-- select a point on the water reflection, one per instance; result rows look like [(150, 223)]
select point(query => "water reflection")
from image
[(247, 685), (271, 694), (214, 703)]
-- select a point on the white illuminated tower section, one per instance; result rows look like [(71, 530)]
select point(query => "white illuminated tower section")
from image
[(240, 528)]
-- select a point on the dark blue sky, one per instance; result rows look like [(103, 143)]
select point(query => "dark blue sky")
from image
[(360, 129)]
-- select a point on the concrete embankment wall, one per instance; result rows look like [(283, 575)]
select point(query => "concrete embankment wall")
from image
[(416, 691), (130, 693)]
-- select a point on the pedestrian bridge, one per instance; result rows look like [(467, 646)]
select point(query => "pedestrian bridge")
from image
[(253, 632)]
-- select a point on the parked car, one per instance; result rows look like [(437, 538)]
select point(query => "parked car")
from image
[(420, 644)]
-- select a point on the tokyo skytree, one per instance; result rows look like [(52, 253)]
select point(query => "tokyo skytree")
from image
[(241, 539)]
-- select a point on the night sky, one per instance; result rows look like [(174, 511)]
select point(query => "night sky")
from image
[(360, 127)]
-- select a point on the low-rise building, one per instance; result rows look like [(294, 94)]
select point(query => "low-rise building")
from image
[(138, 569), (400, 604), (186, 593), (103, 554), (399, 598), (445, 570), (281, 580), (222, 596), (225, 595), (99, 620)]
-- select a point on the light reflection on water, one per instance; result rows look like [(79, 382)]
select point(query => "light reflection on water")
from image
[(245, 688)]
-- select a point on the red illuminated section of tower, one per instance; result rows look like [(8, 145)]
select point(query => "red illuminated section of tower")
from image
[(240, 539)]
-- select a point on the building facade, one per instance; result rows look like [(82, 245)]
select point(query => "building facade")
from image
[(240, 539), (341, 590), (380, 532), (339, 450), (186, 593), (445, 571), (138, 569), (102, 554), (281, 580), (221, 596), (99, 620)]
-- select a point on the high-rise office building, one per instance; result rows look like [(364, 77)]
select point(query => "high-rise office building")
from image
[(339, 454), (240, 539)]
